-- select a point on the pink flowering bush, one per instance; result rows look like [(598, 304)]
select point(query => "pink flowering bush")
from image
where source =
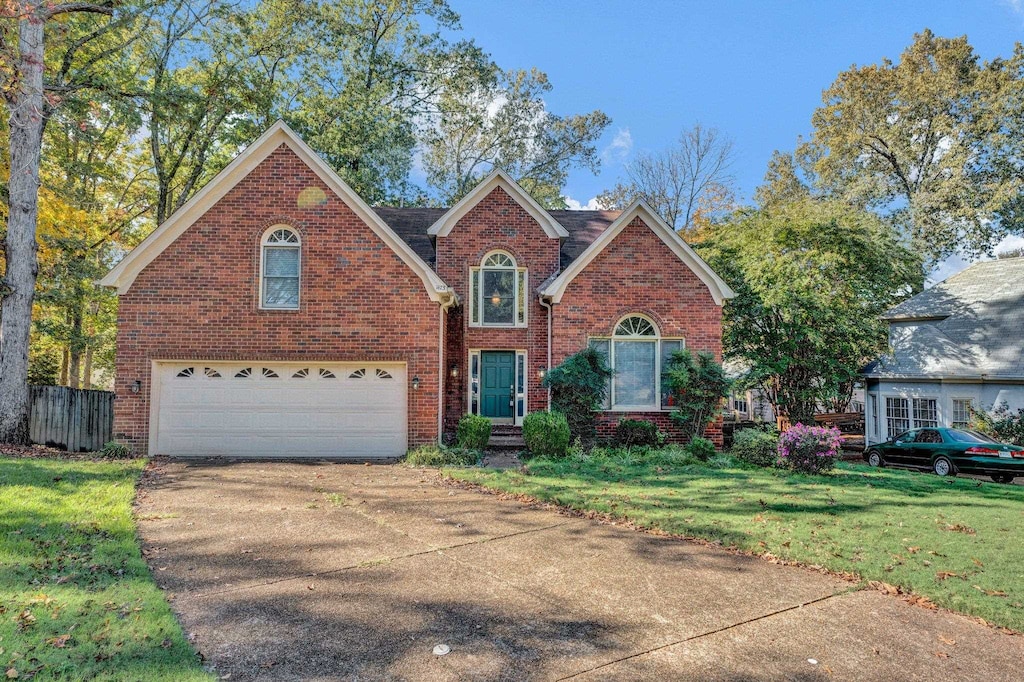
[(809, 449)]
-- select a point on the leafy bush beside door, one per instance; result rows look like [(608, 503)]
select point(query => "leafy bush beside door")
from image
[(473, 432), (578, 388)]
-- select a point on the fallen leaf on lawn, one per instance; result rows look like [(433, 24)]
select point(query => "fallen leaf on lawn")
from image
[(942, 575), (59, 642), (12, 674), (977, 563), (947, 640), (884, 587), (922, 601), (913, 550), (827, 669), (961, 528), (991, 593), (941, 654), (309, 587)]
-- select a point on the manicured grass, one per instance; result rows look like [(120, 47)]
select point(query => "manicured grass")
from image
[(77, 601), (959, 542)]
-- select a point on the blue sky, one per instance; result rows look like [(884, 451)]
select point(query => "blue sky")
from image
[(755, 70)]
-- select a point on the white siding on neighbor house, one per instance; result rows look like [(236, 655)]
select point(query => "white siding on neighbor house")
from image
[(983, 396)]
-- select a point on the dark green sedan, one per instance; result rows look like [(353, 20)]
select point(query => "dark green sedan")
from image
[(948, 452)]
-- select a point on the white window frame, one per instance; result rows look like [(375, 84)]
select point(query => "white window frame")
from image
[(520, 288), (912, 421), (266, 244), (952, 412), (521, 376), (657, 340)]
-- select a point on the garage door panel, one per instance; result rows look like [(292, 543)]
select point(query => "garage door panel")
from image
[(234, 409)]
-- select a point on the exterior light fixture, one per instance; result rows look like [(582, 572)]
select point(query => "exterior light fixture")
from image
[(136, 386), (455, 371), (495, 299), (542, 372), (415, 383)]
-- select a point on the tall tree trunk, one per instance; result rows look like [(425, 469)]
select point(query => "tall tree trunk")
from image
[(87, 369), (19, 282), (76, 369), (76, 349), (64, 360)]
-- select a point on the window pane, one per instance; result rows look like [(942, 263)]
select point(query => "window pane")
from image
[(668, 347), (474, 296), (474, 383), (926, 412), (897, 414), (634, 373), (280, 262), (499, 286), (521, 302), (281, 292), (601, 346), (961, 412)]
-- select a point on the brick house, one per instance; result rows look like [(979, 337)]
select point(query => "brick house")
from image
[(276, 313)]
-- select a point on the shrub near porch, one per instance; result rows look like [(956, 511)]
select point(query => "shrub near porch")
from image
[(957, 542)]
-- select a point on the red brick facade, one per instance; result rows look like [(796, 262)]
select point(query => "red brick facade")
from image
[(637, 273), (497, 222), (199, 298)]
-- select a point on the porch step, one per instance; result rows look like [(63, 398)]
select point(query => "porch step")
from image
[(506, 442)]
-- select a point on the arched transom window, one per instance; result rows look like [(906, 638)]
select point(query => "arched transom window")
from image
[(280, 260), (498, 292), (636, 353)]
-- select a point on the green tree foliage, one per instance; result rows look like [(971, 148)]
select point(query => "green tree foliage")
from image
[(578, 387), (697, 385), (811, 278), (932, 140)]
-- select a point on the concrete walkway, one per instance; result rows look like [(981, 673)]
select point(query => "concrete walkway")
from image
[(282, 571)]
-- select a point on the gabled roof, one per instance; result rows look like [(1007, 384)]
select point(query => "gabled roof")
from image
[(969, 326), (498, 178), (411, 224), (125, 272), (720, 291)]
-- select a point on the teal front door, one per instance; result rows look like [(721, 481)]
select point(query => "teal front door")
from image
[(497, 379)]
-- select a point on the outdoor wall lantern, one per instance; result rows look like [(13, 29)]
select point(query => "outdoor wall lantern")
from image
[(415, 383), (455, 371), (136, 386), (542, 372)]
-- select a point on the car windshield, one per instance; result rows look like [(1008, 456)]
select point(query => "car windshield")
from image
[(965, 436)]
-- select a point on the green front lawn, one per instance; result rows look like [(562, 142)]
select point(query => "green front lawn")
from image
[(959, 542), (77, 601)]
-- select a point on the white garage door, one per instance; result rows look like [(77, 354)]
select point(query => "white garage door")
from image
[(274, 409)]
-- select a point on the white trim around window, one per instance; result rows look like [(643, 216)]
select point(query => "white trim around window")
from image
[(281, 251), (501, 269), (624, 388), (915, 411)]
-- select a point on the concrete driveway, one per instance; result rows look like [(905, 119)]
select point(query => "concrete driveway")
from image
[(282, 571)]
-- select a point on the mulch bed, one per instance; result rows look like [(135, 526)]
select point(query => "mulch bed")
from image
[(43, 452)]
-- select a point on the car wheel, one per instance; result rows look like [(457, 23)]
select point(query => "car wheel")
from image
[(1002, 478), (875, 459), (943, 467)]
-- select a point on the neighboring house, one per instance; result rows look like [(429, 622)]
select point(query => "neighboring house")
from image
[(752, 404), (277, 314), (955, 347)]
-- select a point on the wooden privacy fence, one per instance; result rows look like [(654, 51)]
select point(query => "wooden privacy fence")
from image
[(72, 419)]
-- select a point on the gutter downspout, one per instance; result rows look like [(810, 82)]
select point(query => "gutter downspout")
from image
[(448, 302), (547, 304)]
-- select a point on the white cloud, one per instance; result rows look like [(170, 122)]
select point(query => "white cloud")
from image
[(574, 205), (621, 146), (1015, 6)]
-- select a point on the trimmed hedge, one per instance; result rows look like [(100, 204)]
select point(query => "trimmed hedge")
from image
[(757, 447), (473, 432), (701, 448), (546, 434), (630, 432)]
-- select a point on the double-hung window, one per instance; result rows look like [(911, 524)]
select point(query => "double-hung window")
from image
[(280, 257), (497, 292), (636, 353), (962, 408)]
